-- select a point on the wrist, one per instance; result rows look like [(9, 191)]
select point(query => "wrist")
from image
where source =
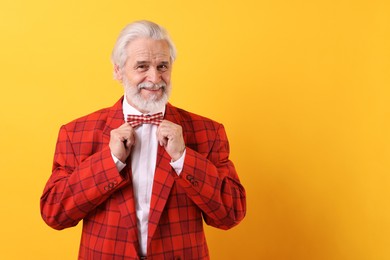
[(120, 157), (178, 155)]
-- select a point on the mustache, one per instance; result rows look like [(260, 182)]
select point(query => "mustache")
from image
[(152, 86)]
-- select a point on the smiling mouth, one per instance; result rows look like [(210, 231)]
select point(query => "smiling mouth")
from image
[(152, 86), (154, 89)]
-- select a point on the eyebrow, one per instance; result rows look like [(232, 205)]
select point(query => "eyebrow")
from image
[(148, 62), (141, 63)]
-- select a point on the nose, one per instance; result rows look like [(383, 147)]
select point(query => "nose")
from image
[(154, 75)]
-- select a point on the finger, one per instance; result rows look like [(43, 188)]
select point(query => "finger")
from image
[(125, 127), (161, 137), (127, 143), (162, 140), (168, 131), (166, 124), (130, 139)]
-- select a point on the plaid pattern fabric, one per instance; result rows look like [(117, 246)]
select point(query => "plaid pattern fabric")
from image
[(137, 120), (85, 185)]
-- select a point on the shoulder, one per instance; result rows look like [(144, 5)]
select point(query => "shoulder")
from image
[(91, 120), (96, 120)]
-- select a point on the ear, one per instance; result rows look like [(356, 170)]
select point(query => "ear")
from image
[(117, 72)]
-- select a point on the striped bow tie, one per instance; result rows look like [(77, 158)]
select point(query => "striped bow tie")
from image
[(137, 120)]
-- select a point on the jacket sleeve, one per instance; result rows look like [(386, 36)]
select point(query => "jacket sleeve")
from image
[(213, 185), (78, 184)]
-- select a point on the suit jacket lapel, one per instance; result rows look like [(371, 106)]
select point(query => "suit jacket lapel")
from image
[(163, 179), (114, 120), (125, 196)]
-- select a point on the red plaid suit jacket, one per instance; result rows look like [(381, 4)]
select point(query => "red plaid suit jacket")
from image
[(85, 185)]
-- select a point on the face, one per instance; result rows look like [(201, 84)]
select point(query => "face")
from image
[(146, 74)]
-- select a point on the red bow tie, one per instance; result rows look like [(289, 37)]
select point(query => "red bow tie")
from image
[(137, 120)]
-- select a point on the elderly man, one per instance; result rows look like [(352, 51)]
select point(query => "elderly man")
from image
[(143, 174)]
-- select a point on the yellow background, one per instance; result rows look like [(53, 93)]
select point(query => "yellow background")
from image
[(302, 88)]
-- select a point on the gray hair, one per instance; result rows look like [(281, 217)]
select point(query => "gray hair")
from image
[(139, 29)]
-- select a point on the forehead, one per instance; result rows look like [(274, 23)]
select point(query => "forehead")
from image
[(147, 49)]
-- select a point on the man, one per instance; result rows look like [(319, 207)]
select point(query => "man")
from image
[(143, 174)]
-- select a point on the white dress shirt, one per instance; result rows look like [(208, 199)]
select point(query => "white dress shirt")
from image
[(143, 165)]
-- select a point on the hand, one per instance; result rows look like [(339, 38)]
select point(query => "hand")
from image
[(170, 135), (121, 141)]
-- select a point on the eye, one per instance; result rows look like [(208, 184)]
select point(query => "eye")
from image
[(142, 67), (162, 67)]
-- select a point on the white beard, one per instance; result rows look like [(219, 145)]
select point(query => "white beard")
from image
[(133, 94)]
